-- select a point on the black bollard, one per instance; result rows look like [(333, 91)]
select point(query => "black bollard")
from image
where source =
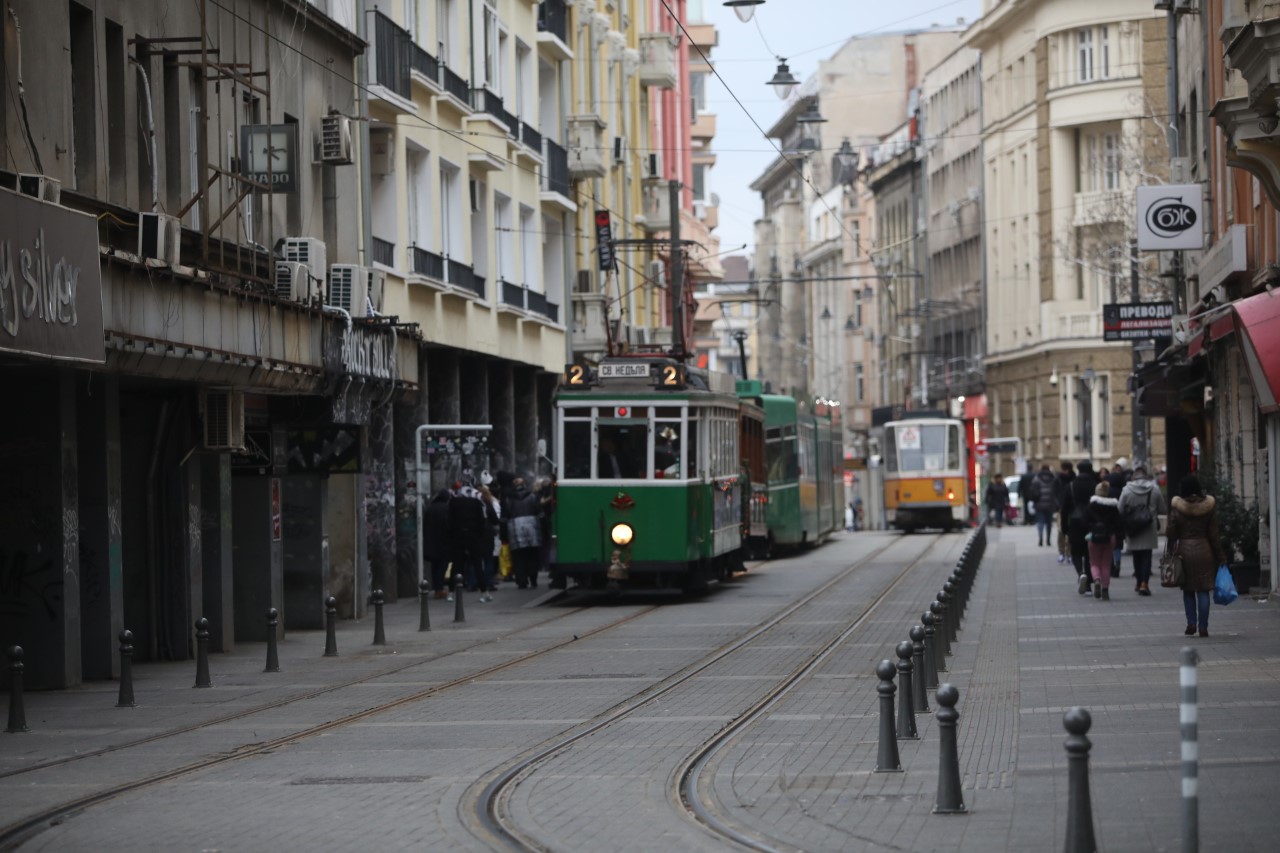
[(887, 761), (331, 627), (17, 711), (952, 600), (906, 711), (125, 698), (919, 693), (962, 591), (930, 652), (459, 614), (950, 797), (943, 649), (202, 653), (379, 635), (424, 614), (273, 657), (1079, 805)]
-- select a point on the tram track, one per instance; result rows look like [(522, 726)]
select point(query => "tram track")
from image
[(19, 832), (491, 812)]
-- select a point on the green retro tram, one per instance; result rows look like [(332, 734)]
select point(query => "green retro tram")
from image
[(652, 488)]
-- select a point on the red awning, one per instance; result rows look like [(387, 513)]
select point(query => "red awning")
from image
[(1258, 320), (1216, 330)]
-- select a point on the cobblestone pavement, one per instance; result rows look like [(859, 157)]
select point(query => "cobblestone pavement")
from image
[(1030, 647)]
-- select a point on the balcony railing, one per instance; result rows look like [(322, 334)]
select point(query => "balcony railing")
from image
[(425, 64), (485, 101), (455, 85), (461, 275), (530, 137), (427, 263), (538, 304), (553, 18), (555, 175), (383, 252), (391, 54), (512, 294)]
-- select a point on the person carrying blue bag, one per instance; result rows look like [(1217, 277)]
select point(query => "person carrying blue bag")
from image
[(1193, 535)]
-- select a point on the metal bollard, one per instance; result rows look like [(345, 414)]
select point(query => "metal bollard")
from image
[(202, 653), (950, 798), (273, 657), (424, 614), (919, 693), (887, 761), (125, 697), (941, 647), (459, 614), (906, 702), (331, 627), (379, 635), (948, 598), (17, 711), (930, 653), (1189, 716), (1079, 806), (961, 593)]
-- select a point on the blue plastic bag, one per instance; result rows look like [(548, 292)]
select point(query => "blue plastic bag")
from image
[(1224, 588)]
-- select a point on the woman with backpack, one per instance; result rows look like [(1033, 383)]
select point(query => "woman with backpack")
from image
[(1193, 535), (1141, 505), (1104, 526)]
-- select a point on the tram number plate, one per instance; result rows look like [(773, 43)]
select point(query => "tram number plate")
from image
[(624, 371)]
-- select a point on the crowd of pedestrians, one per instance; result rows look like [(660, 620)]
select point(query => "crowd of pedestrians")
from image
[(481, 532), (1100, 515)]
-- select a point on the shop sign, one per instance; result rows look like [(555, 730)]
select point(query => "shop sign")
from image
[(1137, 321), (1226, 257), (269, 155), (50, 281), (1169, 217), (362, 351)]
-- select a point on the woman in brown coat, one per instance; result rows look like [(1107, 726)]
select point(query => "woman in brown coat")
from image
[(1193, 534)]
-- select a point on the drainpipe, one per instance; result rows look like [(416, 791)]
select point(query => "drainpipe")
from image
[(362, 110)]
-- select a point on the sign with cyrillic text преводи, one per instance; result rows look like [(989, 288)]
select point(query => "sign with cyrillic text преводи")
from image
[(1137, 321)]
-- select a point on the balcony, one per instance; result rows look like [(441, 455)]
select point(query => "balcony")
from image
[(962, 376), (656, 201), (531, 139), (490, 104), (588, 331), (391, 60), (424, 67), (659, 60), (1079, 325), (586, 147), (538, 303), (464, 277), (704, 126), (426, 263), (1101, 207), (383, 252), (553, 30), (458, 89), (555, 177), (512, 294)]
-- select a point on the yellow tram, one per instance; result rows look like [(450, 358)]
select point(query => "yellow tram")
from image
[(926, 474)]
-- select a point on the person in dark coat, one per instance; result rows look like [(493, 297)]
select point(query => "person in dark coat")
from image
[(1193, 535), (1141, 492), (470, 537), (521, 510), (997, 496), (1118, 478), (1060, 489), (1042, 494), (1024, 493), (1104, 527), (1075, 508), (435, 540)]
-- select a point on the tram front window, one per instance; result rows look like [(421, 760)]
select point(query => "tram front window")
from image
[(924, 448), (623, 451), (577, 450)]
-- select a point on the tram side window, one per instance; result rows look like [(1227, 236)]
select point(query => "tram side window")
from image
[(891, 451), (623, 451), (577, 450), (692, 462), (780, 456), (666, 450), (953, 447)]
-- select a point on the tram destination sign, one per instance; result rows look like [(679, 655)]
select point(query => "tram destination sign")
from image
[(623, 370), (1137, 321)]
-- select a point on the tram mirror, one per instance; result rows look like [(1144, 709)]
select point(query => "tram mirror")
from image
[(542, 447)]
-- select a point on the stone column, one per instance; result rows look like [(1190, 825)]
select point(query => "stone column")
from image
[(526, 422), (444, 402), (473, 382), (411, 410), (379, 500), (101, 563), (502, 441), (215, 542)]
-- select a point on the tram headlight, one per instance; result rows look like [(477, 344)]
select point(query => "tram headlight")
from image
[(621, 534)]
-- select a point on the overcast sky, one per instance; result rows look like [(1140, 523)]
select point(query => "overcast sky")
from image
[(805, 32)]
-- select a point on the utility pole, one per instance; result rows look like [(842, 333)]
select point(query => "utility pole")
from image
[(741, 337), (677, 274)]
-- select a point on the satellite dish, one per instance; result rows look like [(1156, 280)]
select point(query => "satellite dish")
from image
[(715, 199)]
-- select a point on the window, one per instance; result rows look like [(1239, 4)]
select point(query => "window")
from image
[(419, 188), (1084, 56), (84, 130), (1104, 54), (859, 387), (698, 92), (451, 231), (529, 240), (699, 181), (622, 449), (577, 449), (1111, 161)]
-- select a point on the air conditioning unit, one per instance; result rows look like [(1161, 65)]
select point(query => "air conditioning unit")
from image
[(159, 237), (293, 281), (377, 285), (382, 153), (309, 251), (699, 210), (223, 413), (619, 149), (42, 187), (346, 290), (653, 165), (334, 147), (656, 272)]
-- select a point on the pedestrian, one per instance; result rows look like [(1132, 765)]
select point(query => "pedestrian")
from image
[(1104, 526), (1118, 478), (848, 517), (1141, 505), (1043, 496), (469, 535), (1024, 493), (857, 513), (1066, 474), (1193, 535), (546, 492), (1075, 507), (997, 496), (524, 533), (435, 540), (488, 584)]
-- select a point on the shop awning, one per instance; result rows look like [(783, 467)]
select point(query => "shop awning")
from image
[(1258, 321), (1215, 330)]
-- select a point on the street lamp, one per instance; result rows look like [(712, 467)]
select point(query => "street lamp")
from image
[(844, 164), (783, 81), (744, 9), (808, 122)]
